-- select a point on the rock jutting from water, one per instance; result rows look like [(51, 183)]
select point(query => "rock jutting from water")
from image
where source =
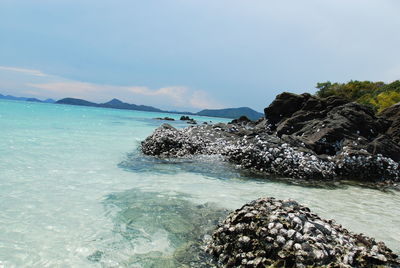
[(188, 119), (275, 233), (165, 118), (301, 136)]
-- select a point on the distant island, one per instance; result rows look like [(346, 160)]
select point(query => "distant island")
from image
[(114, 104), (231, 113), (376, 95), (9, 97)]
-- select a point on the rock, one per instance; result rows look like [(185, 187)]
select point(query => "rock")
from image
[(385, 145), (184, 118), (302, 137), (323, 124), (191, 121), (165, 118), (96, 256), (241, 120), (188, 120), (283, 106), (314, 245), (168, 141), (392, 114)]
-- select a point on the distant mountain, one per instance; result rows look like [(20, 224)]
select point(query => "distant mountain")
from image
[(79, 102), (232, 113), (114, 104), (117, 104), (9, 97), (33, 100), (49, 101)]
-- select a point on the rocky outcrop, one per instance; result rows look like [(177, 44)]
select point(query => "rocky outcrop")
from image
[(302, 137), (275, 233), (327, 125), (392, 114)]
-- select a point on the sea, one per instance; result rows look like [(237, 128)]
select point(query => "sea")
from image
[(75, 191)]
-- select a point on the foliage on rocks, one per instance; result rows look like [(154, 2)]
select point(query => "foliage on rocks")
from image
[(377, 95)]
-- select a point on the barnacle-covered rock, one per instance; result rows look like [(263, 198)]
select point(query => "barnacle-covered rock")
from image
[(301, 136), (251, 147), (307, 240)]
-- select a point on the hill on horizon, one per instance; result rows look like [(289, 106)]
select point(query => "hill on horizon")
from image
[(231, 113), (9, 97)]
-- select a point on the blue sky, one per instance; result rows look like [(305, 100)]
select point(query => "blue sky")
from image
[(193, 54)]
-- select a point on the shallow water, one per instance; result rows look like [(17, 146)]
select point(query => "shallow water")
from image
[(75, 192)]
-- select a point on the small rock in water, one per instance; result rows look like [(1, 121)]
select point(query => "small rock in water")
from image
[(165, 118), (96, 256)]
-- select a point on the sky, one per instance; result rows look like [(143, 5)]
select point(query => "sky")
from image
[(193, 54)]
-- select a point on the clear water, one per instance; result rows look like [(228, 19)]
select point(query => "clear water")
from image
[(75, 192)]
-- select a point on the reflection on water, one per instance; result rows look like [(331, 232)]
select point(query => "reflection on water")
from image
[(203, 165), (214, 166), (157, 230)]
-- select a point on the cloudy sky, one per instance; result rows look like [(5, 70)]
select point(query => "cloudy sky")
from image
[(193, 54)]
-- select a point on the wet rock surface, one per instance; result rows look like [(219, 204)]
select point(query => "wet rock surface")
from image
[(302, 137), (275, 233)]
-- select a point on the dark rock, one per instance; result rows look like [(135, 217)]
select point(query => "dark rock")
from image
[(188, 120), (385, 145), (96, 256), (191, 121), (302, 137), (323, 124), (241, 120), (185, 117), (165, 118), (392, 114), (282, 233), (283, 106)]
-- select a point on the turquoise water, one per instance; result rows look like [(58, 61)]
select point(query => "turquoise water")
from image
[(75, 192)]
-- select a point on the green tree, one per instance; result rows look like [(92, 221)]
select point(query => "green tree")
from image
[(378, 95)]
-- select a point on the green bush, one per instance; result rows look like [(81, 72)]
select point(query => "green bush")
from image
[(378, 95)]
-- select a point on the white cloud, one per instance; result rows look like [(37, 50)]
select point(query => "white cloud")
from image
[(176, 93), (35, 83), (80, 89), (22, 70), (177, 96), (200, 99)]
